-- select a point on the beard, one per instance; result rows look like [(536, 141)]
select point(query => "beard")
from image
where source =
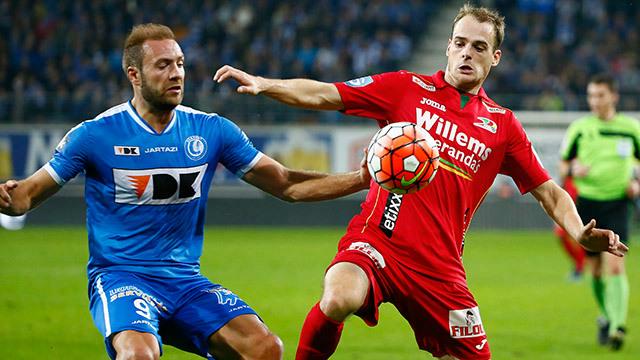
[(156, 99)]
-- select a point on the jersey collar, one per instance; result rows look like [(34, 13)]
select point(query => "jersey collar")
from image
[(440, 83), (144, 124)]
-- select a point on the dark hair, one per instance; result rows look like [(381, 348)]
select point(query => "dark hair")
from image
[(133, 52), (605, 79), (483, 15)]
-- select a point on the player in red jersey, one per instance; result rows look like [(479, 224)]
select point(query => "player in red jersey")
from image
[(407, 250)]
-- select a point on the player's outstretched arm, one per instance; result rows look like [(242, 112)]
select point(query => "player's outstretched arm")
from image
[(18, 197), (304, 93), (559, 206), (295, 185)]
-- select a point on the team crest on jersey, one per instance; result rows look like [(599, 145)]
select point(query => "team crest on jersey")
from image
[(486, 124), (423, 85), (195, 147), (158, 186), (465, 323), (360, 82)]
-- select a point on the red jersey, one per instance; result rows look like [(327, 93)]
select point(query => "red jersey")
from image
[(477, 140)]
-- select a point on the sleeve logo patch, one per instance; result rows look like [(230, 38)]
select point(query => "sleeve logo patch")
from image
[(360, 82), (423, 85)]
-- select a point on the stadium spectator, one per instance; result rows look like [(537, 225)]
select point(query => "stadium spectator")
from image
[(407, 249), (147, 162), (600, 152)]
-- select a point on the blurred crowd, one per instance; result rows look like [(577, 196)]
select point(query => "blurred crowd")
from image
[(552, 48), (60, 60)]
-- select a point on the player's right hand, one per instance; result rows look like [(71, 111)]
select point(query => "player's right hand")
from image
[(5, 194), (249, 84)]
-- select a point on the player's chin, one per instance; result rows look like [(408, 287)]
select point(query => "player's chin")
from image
[(173, 100)]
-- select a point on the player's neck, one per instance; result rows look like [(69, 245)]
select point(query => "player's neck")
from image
[(608, 115), (158, 119), (473, 90)]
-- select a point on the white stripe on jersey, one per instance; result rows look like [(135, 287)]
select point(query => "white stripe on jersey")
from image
[(250, 166), (192, 110), (47, 167), (171, 123), (112, 111), (105, 308), (137, 119), (143, 124)]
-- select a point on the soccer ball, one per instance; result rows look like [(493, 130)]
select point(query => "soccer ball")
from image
[(402, 157)]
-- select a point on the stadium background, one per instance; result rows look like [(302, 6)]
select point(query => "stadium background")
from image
[(60, 64)]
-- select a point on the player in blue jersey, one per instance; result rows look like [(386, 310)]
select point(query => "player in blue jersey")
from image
[(148, 165)]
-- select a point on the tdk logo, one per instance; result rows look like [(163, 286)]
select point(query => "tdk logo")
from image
[(158, 186), (126, 150), (434, 104)]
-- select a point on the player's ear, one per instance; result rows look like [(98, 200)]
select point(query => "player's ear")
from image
[(446, 52), (134, 75), (496, 57)]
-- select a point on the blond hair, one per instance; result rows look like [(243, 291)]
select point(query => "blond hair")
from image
[(483, 15), (133, 52)]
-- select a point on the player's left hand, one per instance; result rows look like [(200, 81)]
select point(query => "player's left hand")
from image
[(249, 84), (365, 176), (594, 239)]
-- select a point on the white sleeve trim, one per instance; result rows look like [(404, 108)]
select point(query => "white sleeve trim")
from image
[(47, 167), (250, 166)]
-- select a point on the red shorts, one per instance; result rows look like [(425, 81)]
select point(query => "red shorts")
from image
[(444, 316)]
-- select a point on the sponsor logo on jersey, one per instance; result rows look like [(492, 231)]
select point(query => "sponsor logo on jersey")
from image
[(423, 85), (487, 124), (465, 323), (390, 214), (360, 82), (482, 344), (161, 149), (158, 186), (225, 296), (133, 291), (432, 103), (126, 150), (494, 110), (370, 251), (195, 147), (455, 144)]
